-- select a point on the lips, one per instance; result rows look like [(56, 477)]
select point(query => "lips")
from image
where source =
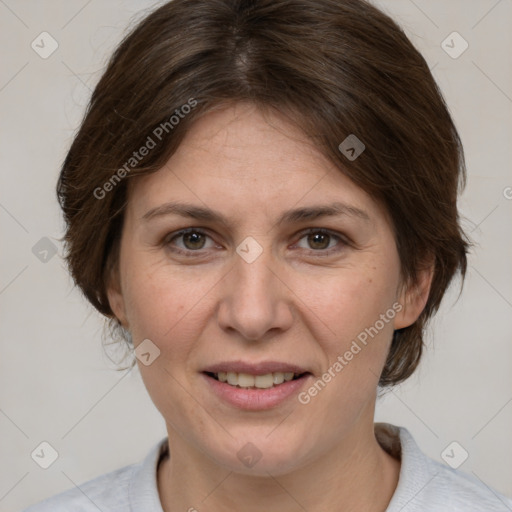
[(255, 386), (255, 369), (255, 375), (260, 394)]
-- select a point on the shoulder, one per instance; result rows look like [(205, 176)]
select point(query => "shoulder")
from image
[(427, 485), (132, 487), (455, 490), (105, 492)]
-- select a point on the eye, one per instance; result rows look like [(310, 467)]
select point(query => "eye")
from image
[(193, 240), (322, 242)]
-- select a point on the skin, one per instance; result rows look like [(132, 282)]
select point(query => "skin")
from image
[(291, 304)]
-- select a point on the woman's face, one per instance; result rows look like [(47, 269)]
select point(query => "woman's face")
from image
[(261, 285)]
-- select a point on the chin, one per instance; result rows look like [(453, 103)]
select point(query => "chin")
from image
[(261, 454)]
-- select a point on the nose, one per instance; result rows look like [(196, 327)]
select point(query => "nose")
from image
[(255, 298)]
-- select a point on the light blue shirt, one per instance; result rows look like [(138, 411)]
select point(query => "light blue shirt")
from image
[(424, 485)]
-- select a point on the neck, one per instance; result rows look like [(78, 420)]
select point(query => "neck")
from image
[(355, 475)]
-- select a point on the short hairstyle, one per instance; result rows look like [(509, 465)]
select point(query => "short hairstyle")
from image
[(334, 67)]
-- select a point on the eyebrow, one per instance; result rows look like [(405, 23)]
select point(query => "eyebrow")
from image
[(306, 213)]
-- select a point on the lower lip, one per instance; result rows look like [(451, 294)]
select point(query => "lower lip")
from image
[(256, 399)]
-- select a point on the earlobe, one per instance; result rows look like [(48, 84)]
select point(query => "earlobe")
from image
[(413, 298), (116, 301)]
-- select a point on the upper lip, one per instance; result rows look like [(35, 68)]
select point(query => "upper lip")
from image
[(261, 368)]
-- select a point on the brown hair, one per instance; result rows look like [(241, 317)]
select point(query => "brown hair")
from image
[(335, 67)]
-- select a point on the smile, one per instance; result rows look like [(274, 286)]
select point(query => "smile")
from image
[(246, 380), (254, 392)]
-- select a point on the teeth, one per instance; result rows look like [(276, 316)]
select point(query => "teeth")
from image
[(244, 380)]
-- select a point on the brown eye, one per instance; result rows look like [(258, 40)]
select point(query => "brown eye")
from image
[(188, 241), (321, 242), (193, 240)]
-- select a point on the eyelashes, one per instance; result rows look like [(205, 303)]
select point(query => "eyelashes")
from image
[(198, 239), (331, 236)]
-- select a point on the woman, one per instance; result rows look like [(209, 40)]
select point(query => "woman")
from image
[(263, 198)]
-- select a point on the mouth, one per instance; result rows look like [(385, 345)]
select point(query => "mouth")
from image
[(249, 381), (255, 387)]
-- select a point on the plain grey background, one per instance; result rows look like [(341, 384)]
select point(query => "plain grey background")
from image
[(58, 386)]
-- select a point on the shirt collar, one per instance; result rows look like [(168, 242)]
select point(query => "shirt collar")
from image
[(415, 470), (143, 490)]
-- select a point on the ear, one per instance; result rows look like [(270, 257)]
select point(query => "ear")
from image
[(116, 299), (413, 298)]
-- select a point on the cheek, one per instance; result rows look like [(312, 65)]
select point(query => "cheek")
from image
[(351, 316), (162, 300), (345, 301)]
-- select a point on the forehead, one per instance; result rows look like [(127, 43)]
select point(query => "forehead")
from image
[(248, 143), (240, 159)]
